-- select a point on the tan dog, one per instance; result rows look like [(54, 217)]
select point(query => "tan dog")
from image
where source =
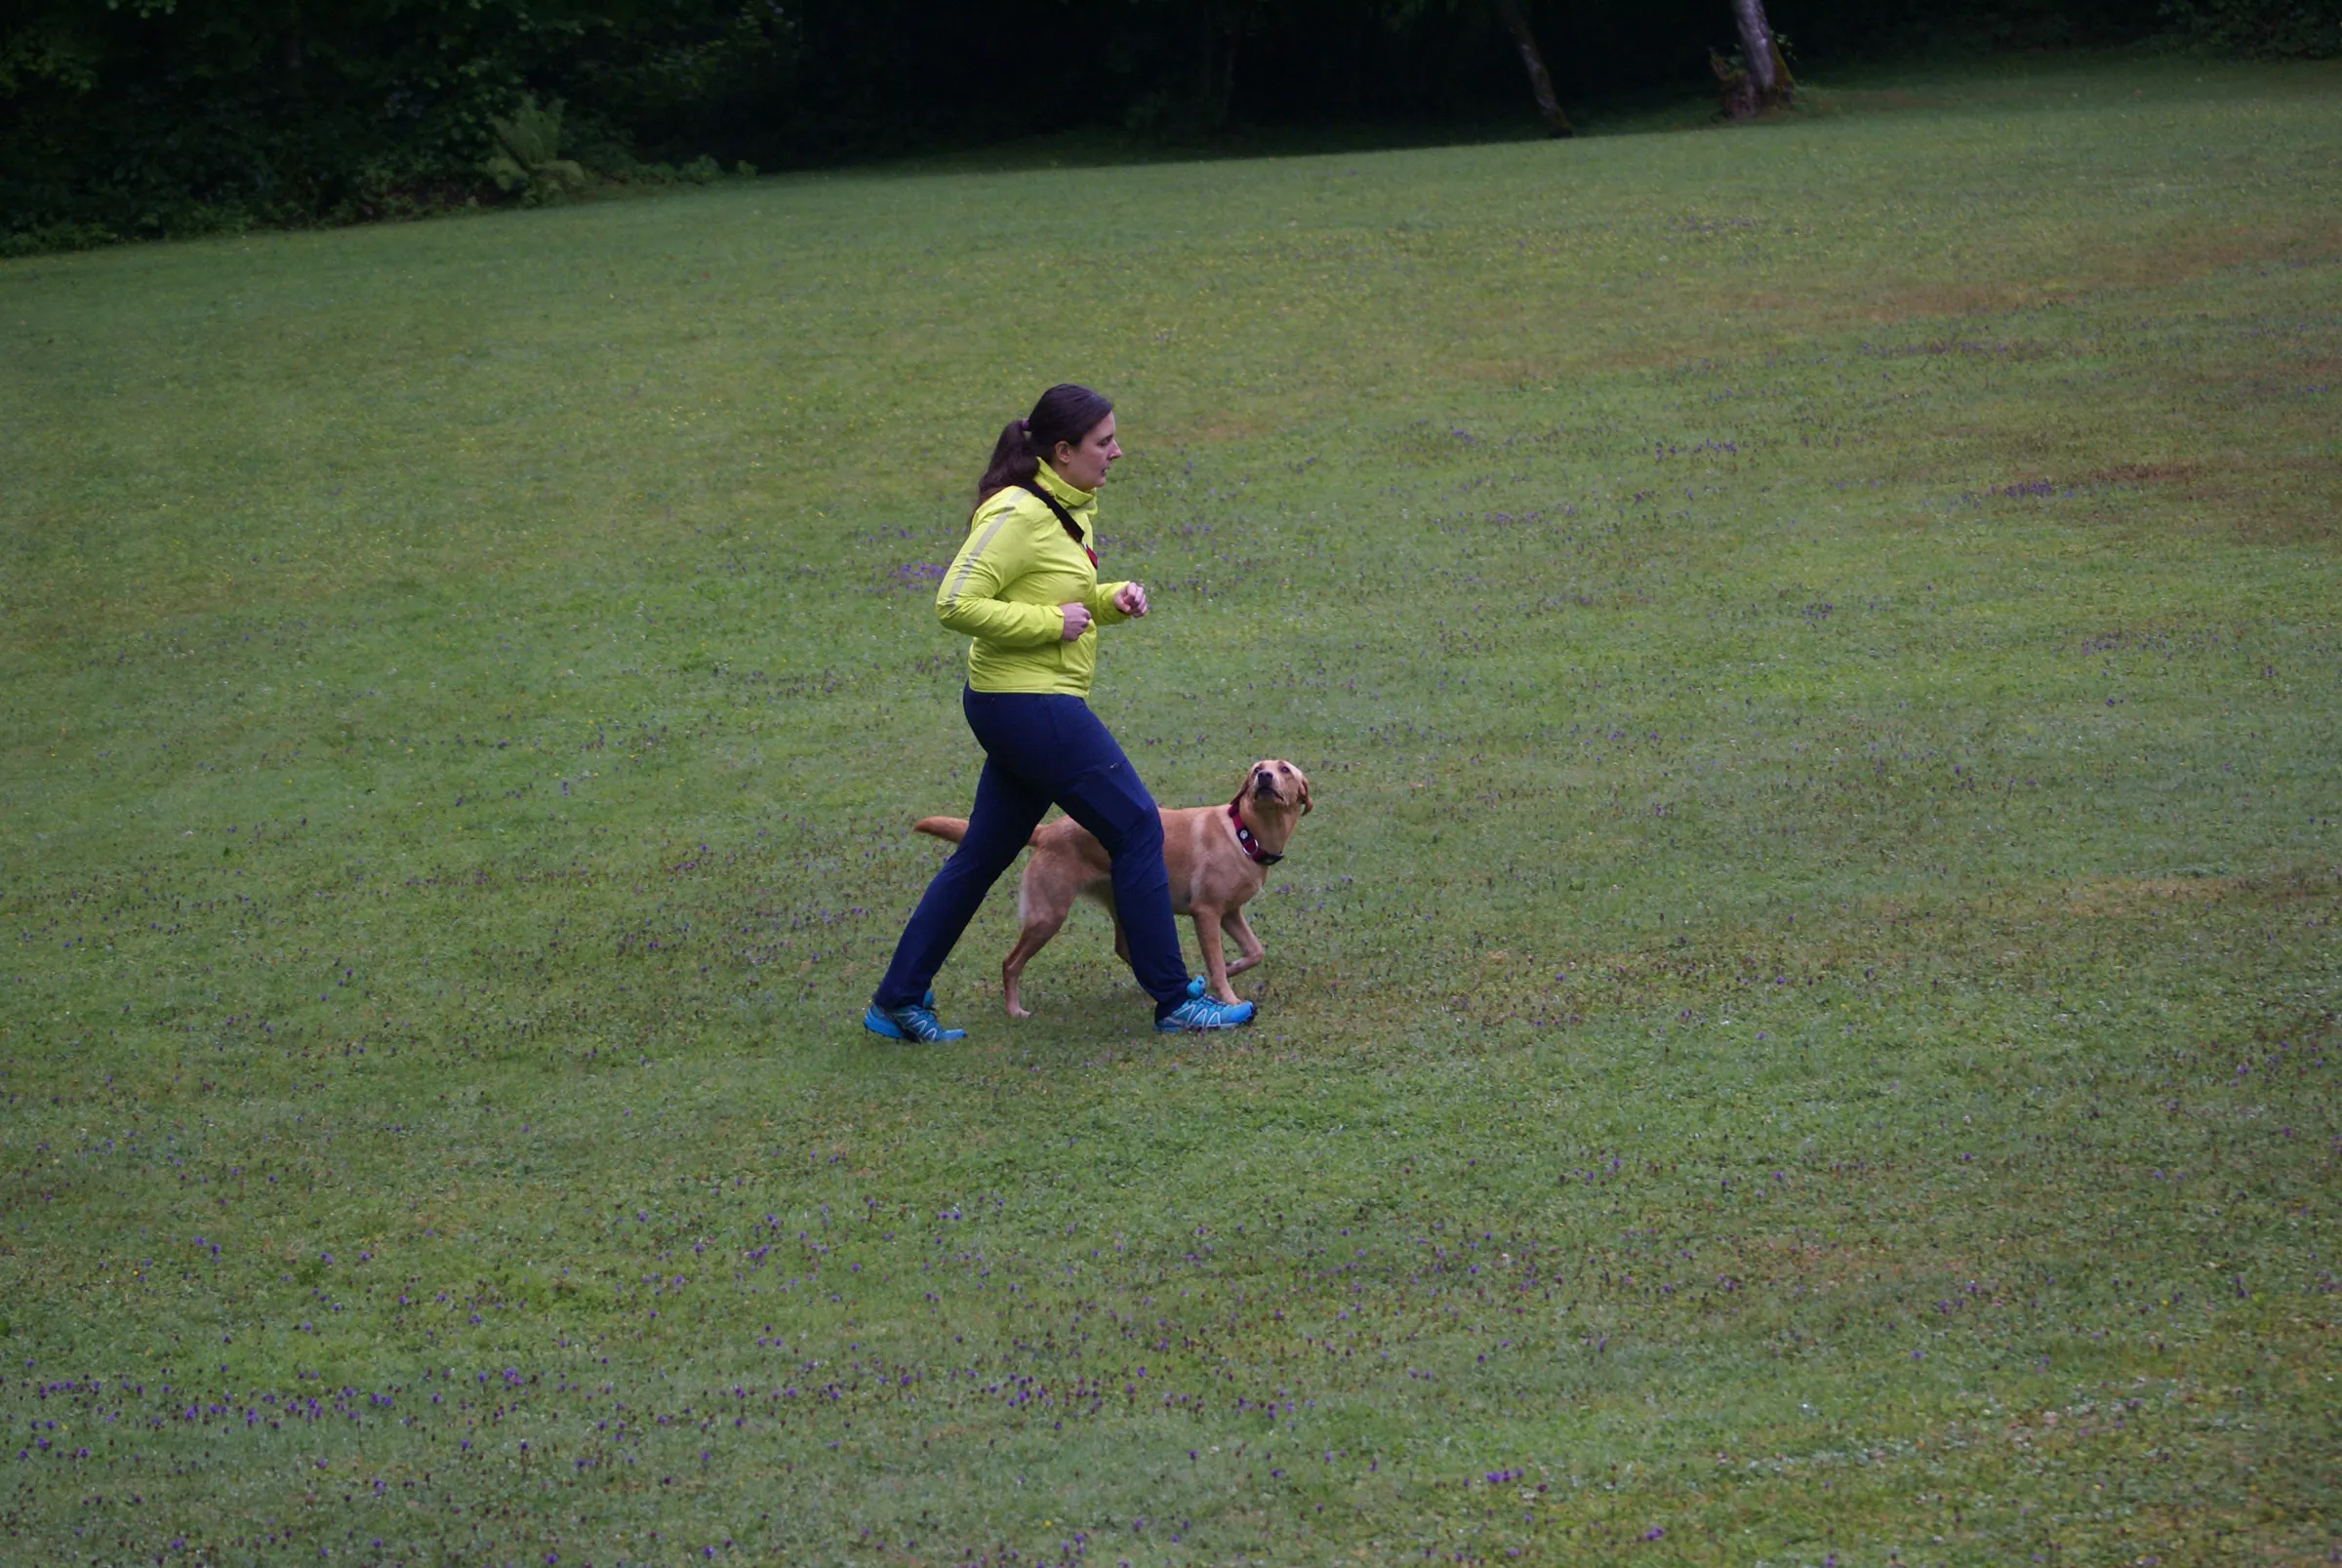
[(1213, 874)]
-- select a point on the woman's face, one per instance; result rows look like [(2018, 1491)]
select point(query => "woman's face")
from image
[(1084, 463)]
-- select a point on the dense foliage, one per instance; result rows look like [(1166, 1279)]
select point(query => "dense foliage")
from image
[(125, 118), (2285, 29), (151, 117)]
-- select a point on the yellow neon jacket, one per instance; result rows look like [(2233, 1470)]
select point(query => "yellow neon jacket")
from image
[(1004, 587)]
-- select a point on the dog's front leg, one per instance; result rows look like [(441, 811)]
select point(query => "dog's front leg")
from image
[(1237, 926), (1215, 962)]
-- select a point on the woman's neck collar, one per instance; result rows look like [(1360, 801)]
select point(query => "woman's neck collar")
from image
[(1058, 487)]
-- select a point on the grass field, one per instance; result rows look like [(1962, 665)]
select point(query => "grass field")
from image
[(1801, 1031)]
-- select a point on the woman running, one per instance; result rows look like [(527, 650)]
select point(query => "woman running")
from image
[(1025, 589)]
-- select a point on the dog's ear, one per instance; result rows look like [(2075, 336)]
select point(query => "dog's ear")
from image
[(1305, 794)]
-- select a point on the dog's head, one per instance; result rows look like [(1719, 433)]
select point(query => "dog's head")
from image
[(1275, 783)]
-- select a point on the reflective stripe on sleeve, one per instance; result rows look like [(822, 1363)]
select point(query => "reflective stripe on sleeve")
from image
[(967, 562)]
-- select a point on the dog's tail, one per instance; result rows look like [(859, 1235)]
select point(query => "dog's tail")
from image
[(955, 830)]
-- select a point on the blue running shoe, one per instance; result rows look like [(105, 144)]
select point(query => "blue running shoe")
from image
[(916, 1021), (1200, 1014)]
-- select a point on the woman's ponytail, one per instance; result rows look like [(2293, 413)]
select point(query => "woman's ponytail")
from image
[(1065, 412), (1014, 462)]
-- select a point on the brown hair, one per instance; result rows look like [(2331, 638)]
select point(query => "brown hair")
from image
[(1065, 412)]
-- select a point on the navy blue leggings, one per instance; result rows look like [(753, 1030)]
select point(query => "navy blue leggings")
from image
[(1040, 749)]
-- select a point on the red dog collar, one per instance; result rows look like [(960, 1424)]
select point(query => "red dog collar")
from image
[(1251, 845)]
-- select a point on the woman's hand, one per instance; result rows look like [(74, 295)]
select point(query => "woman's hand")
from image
[(1132, 599), (1077, 619)]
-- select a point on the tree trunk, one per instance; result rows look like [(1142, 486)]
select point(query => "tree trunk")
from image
[(1532, 58), (1764, 83), (1757, 46), (1216, 79), (295, 56)]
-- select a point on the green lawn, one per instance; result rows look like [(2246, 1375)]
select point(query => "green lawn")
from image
[(1803, 1031)]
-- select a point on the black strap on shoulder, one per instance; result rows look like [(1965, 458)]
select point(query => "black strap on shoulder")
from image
[(1065, 518)]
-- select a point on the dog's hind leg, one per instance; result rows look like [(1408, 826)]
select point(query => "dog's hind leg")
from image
[(1039, 926), (1121, 938), (1041, 914), (1237, 926)]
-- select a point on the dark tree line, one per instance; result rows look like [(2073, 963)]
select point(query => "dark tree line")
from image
[(128, 118)]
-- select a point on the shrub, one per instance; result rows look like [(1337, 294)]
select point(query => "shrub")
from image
[(528, 156)]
